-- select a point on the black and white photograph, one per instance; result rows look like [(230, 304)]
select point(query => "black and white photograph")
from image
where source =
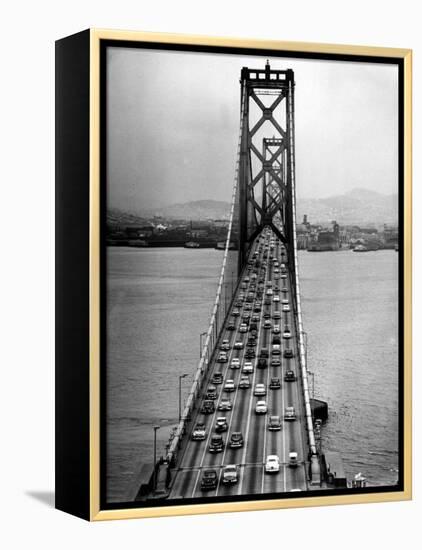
[(251, 252)]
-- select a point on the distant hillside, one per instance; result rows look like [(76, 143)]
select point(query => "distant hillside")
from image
[(196, 210), (359, 206)]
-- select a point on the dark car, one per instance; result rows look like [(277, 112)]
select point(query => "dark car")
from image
[(264, 353), (231, 326), (289, 376), (221, 424), (276, 339), (251, 343), (209, 480), (275, 384), (267, 302), (217, 378), (208, 407), (275, 362), (262, 363), (236, 440), (288, 353), (250, 353), (274, 423), (253, 326), (217, 444), (267, 315), (211, 393)]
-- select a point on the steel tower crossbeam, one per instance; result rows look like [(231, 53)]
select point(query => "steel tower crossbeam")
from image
[(265, 169)]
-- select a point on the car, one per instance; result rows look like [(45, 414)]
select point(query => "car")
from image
[(199, 432), (262, 363), (269, 284), (261, 407), (276, 298), (235, 313), (284, 276), (288, 353), (251, 343), (289, 376), (287, 334), (209, 480), (247, 367), (244, 382), (276, 339), (293, 459), (276, 329), (230, 474), (256, 318), (243, 327), (274, 423), (248, 307), (286, 308), (275, 362), (276, 289), (222, 357), (267, 302), (285, 289), (260, 389), (216, 444), (246, 316), (276, 349), (207, 407), (253, 327), (211, 392), (272, 464), (289, 413), (235, 363), (267, 324), (275, 384), (276, 270), (285, 302), (238, 345), (231, 326), (250, 353), (221, 424), (267, 315), (238, 303), (236, 440), (217, 378), (224, 405), (246, 280), (229, 386), (269, 291), (264, 353), (276, 315)]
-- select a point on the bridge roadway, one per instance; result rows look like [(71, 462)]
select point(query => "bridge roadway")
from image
[(259, 442)]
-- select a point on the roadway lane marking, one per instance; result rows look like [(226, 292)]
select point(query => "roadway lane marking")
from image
[(224, 379), (246, 442)]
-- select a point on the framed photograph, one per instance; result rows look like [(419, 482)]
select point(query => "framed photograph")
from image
[(233, 274)]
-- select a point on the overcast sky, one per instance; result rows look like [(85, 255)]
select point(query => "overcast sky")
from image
[(173, 125)]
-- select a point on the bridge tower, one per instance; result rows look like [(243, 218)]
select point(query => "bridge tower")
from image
[(266, 168)]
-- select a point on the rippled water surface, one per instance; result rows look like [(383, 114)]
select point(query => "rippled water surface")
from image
[(160, 300)]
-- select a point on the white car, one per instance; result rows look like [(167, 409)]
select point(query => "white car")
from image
[(276, 298), (286, 307), (229, 386), (235, 363), (260, 389), (276, 349), (285, 301), (261, 407), (243, 327), (272, 464), (276, 329), (269, 291), (267, 323), (247, 367), (238, 345), (287, 333)]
